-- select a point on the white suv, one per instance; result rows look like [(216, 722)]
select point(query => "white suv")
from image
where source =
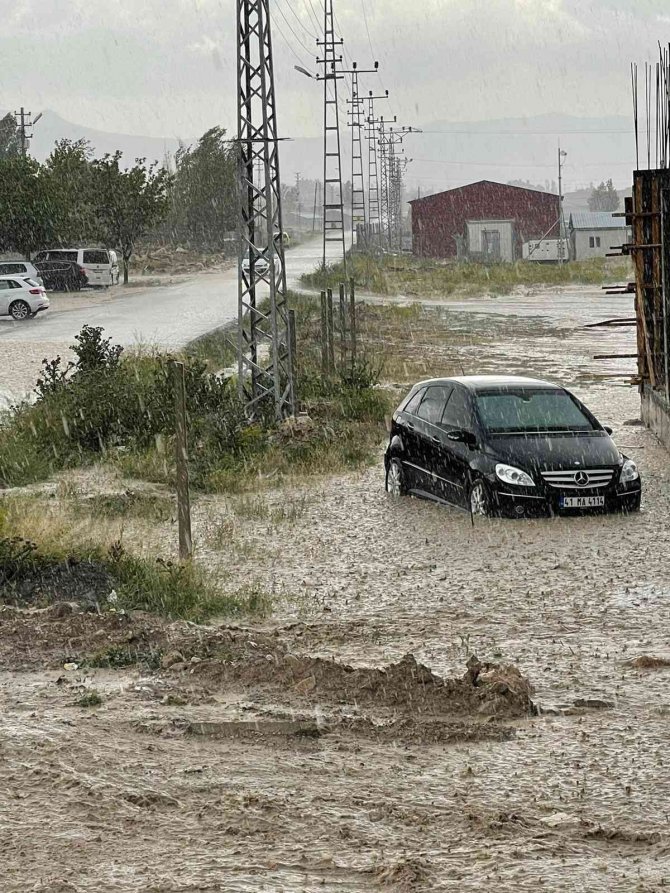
[(20, 268)]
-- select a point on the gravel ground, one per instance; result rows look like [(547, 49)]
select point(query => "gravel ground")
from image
[(124, 798)]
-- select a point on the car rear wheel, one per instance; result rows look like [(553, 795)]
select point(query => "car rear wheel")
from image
[(20, 310), (395, 479), (480, 500)]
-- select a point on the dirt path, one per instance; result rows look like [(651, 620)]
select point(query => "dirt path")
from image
[(254, 762)]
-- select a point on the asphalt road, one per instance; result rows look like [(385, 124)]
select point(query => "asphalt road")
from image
[(166, 316)]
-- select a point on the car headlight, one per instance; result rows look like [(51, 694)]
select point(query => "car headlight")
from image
[(515, 476), (629, 472)]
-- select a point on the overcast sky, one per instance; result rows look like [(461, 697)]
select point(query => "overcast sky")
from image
[(167, 67)]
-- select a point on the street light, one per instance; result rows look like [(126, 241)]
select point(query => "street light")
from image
[(304, 71)]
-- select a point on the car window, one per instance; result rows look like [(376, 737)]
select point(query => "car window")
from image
[(412, 405), (13, 283), (96, 257), (63, 255), (458, 413), (8, 269), (433, 403), (536, 410), (31, 282), (4, 285)]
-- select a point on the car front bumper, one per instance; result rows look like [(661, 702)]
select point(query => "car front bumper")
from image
[(546, 502)]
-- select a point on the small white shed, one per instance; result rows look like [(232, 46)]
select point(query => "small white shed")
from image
[(491, 240), (595, 233)]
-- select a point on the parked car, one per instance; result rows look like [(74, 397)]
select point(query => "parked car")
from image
[(262, 266), (62, 275), (21, 297), (507, 446), (101, 266), (20, 268)]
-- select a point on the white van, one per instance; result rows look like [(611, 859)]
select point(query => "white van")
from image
[(101, 265)]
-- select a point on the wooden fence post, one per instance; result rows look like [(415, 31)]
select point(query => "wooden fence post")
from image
[(324, 334), (181, 456), (331, 333), (343, 326), (293, 350), (352, 320)]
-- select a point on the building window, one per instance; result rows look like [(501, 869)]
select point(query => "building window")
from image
[(597, 241), (592, 242)]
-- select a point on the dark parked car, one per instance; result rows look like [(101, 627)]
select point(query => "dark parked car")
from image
[(62, 275), (509, 446)]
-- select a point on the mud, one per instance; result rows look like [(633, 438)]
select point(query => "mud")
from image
[(313, 753)]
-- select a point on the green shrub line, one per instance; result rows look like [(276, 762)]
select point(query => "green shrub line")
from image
[(388, 275), (106, 406)]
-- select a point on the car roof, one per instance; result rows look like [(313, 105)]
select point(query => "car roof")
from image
[(485, 382)]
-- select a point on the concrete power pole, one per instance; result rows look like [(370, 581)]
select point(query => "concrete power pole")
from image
[(333, 204), (265, 366), (561, 224), (374, 194), (23, 123), (297, 198), (358, 215)]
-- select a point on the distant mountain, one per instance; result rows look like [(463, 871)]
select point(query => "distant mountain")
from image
[(446, 154), (51, 128)]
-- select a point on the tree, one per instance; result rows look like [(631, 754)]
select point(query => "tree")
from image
[(129, 201), (70, 173), (604, 197), (10, 139), (204, 194), (28, 214)]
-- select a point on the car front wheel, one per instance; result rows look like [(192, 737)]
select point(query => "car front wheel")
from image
[(480, 500), (395, 479), (20, 310)]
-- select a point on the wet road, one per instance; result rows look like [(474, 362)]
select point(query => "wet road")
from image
[(166, 316)]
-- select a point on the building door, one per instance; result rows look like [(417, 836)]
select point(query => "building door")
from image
[(491, 244)]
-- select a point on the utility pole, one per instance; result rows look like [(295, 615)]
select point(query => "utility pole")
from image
[(22, 118), (333, 207), (358, 216), (374, 195), (297, 198), (561, 226), (265, 370), (317, 190)]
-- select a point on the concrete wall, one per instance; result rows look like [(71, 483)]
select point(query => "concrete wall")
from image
[(656, 414), (608, 238)]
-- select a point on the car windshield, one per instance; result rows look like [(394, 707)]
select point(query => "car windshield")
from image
[(530, 410)]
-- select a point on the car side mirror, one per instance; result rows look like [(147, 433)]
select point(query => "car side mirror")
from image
[(609, 430), (458, 435)]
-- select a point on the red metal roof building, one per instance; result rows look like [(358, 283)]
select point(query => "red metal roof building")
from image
[(483, 220)]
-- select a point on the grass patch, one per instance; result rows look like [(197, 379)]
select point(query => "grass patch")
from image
[(391, 275), (91, 698), (102, 575), (133, 504), (218, 348)]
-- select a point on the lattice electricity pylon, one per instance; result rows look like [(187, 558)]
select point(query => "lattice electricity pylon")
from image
[(384, 191), (393, 138), (374, 194), (333, 204), (358, 215), (264, 345)]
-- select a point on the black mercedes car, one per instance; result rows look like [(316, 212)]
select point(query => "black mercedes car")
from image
[(507, 446)]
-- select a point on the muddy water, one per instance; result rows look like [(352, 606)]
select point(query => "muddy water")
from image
[(120, 798)]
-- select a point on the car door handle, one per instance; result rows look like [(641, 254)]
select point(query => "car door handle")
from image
[(435, 439), (410, 426)]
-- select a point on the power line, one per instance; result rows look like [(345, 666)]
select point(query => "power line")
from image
[(308, 3), (300, 22), (292, 29), (290, 45), (524, 132), (527, 164)]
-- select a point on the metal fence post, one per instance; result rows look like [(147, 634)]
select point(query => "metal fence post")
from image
[(331, 333), (324, 334), (343, 326)]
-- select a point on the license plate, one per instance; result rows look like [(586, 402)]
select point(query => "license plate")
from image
[(582, 502)]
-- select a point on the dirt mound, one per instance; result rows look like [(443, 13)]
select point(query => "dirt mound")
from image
[(488, 689), (648, 662)]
